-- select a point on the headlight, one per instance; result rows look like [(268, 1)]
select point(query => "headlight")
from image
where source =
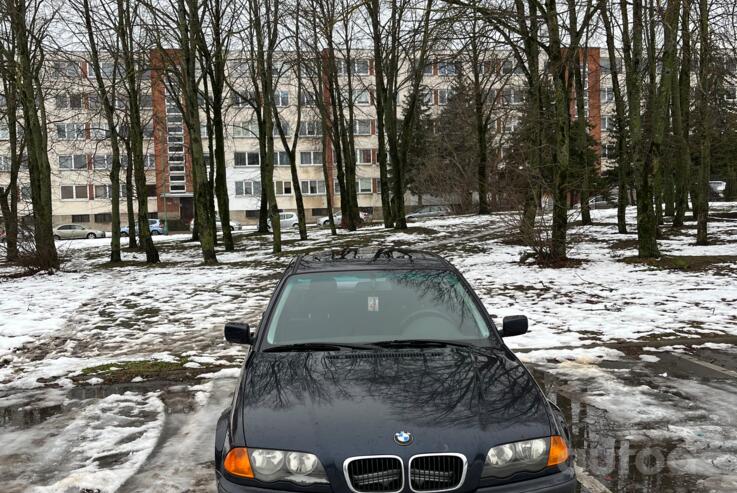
[(529, 455), (278, 465)]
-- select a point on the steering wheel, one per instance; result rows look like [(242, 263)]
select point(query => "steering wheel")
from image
[(426, 313)]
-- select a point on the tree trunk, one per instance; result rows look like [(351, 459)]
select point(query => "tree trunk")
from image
[(126, 37), (9, 197), (34, 117), (679, 113), (374, 9), (705, 123), (129, 191)]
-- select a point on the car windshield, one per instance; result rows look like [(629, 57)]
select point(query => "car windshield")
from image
[(375, 306)]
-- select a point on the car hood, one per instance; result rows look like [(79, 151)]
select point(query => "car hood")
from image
[(348, 403)]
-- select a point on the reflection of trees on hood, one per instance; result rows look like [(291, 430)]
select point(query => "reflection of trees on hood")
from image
[(458, 386)]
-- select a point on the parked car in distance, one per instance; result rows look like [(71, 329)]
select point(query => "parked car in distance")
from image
[(380, 371), (338, 217), (155, 226), (234, 225), (429, 211), (76, 231), (717, 189), (601, 202), (286, 220)]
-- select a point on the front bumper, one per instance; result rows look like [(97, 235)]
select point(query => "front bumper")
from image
[(562, 482)]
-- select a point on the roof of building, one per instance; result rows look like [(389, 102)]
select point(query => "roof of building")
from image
[(367, 259)]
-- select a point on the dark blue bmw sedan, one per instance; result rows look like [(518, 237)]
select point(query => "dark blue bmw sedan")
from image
[(381, 372)]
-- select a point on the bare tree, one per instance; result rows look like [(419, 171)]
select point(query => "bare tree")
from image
[(9, 193), (178, 32), (132, 51), (29, 22), (220, 17), (98, 34)]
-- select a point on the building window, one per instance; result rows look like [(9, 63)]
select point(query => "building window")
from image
[(245, 129), (281, 98), (105, 217), (607, 123), (512, 96), (4, 132), (307, 98), (310, 158), (240, 100), (447, 68), (361, 97), (281, 158), (428, 69), (146, 102), (103, 191), (69, 101), (247, 159), (75, 162), (312, 187), (107, 70), (609, 151), (73, 192), (312, 128), (363, 185), (730, 93), (4, 163), (284, 126), (361, 127), (61, 69), (443, 95), (510, 125), (102, 161), (70, 131), (364, 156), (80, 218), (247, 188), (607, 94), (283, 187), (99, 132), (359, 67), (511, 67)]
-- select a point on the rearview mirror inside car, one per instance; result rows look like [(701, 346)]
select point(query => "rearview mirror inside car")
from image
[(238, 333), (514, 325)]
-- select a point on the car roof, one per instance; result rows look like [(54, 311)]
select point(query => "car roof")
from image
[(349, 259)]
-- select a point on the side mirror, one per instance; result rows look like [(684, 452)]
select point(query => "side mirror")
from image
[(238, 333), (514, 325)]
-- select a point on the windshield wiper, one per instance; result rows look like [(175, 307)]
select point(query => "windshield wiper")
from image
[(421, 343), (315, 346)]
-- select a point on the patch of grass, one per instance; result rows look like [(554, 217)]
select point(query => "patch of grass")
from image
[(138, 367), (686, 263), (624, 244), (160, 371)]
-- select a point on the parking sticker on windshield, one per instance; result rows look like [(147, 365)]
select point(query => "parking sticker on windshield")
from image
[(373, 303)]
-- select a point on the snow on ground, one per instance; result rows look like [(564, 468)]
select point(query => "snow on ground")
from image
[(92, 314)]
